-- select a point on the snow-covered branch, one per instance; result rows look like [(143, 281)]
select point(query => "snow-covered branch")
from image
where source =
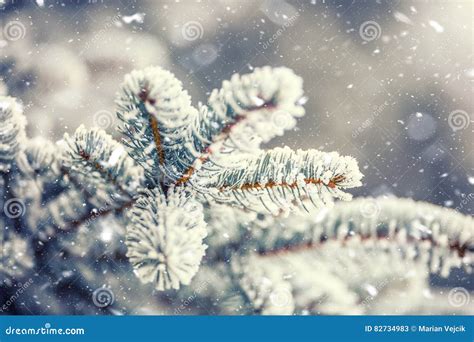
[(281, 179), (165, 238), (12, 131)]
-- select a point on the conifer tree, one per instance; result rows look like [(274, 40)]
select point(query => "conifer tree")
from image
[(188, 213)]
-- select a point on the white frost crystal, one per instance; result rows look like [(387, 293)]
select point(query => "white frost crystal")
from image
[(165, 238)]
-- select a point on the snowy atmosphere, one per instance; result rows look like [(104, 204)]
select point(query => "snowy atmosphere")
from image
[(236, 157)]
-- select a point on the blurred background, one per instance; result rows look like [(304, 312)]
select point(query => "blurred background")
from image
[(389, 82)]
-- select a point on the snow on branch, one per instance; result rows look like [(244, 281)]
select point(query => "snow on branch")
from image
[(281, 179), (337, 278), (15, 256), (12, 131), (42, 160), (442, 238), (170, 138), (165, 238), (101, 165), (155, 111), (248, 110)]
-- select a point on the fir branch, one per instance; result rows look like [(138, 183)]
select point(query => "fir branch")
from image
[(42, 160), (101, 165), (164, 238), (442, 237), (350, 279), (12, 131), (281, 179), (155, 111), (15, 256), (247, 111)]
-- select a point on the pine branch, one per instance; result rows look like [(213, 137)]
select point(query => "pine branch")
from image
[(42, 160), (349, 280), (15, 256), (247, 111), (101, 165), (164, 238), (155, 112), (12, 131), (281, 179), (442, 237)]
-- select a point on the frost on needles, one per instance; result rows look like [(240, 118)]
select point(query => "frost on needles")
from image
[(192, 195)]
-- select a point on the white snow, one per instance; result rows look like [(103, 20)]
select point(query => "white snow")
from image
[(137, 17), (436, 26)]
